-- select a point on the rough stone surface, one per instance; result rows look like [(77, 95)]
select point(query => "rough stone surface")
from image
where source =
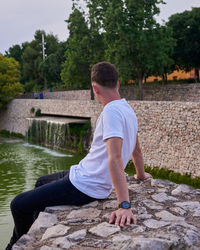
[(60, 208), (85, 213), (104, 229), (166, 216), (49, 248), (78, 235), (167, 224), (192, 206), (44, 220), (151, 223), (161, 197), (149, 243), (55, 231), (62, 243), (152, 204), (181, 189)]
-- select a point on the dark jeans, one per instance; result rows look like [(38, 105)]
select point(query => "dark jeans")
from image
[(50, 190)]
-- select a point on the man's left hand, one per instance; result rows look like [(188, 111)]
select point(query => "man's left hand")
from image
[(122, 217)]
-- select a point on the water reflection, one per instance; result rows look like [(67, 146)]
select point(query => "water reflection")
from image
[(20, 165)]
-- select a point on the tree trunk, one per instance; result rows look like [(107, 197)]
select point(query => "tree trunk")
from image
[(163, 79), (140, 77), (91, 93), (196, 74)]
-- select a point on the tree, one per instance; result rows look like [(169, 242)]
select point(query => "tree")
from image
[(131, 36), (51, 67), (186, 31), (16, 52), (35, 69), (76, 69), (163, 46), (31, 59), (9, 80)]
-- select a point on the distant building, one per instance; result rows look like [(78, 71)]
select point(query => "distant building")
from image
[(176, 75)]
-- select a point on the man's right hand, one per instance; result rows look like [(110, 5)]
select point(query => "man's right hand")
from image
[(142, 178)]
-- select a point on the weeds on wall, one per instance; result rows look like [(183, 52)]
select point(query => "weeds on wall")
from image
[(38, 113), (79, 135), (8, 134), (165, 174), (32, 110)]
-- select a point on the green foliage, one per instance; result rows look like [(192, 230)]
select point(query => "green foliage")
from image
[(5, 133), (31, 60), (38, 113), (36, 73), (29, 86), (79, 129), (79, 134), (9, 134), (9, 80), (134, 42), (76, 71), (124, 32), (32, 110), (50, 68), (16, 52), (165, 174), (186, 31), (80, 147)]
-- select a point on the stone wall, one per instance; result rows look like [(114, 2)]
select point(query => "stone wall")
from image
[(179, 92), (169, 132), (62, 95)]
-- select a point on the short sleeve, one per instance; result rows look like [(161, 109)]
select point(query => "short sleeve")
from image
[(112, 123)]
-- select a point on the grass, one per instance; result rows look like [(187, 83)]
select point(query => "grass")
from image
[(165, 174)]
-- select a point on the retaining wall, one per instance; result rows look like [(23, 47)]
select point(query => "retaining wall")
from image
[(169, 132), (179, 92)]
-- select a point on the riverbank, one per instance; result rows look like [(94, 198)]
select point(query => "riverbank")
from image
[(168, 218)]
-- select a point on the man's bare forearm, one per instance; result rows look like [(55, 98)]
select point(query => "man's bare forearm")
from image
[(119, 179), (138, 161)]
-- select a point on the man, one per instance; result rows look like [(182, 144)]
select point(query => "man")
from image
[(115, 141)]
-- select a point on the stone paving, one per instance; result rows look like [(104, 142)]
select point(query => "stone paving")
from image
[(168, 218)]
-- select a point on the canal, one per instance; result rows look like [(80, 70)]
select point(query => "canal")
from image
[(21, 164)]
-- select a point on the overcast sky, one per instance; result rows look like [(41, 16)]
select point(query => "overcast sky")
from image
[(20, 19)]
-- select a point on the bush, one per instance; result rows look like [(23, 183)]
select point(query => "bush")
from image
[(38, 113)]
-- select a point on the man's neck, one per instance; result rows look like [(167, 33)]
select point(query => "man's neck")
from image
[(109, 98)]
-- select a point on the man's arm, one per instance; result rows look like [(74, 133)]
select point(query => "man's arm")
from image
[(138, 161), (114, 148)]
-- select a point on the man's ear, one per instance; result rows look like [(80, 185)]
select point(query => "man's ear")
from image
[(118, 85), (95, 88)]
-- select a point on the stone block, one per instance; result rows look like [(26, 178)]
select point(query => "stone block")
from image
[(104, 229), (55, 231), (43, 221)]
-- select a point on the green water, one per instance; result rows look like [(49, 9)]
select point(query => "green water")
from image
[(20, 166)]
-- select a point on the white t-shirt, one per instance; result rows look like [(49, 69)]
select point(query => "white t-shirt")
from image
[(91, 176)]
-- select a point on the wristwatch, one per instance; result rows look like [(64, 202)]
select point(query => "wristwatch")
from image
[(125, 205)]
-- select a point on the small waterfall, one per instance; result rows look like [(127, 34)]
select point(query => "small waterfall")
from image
[(59, 133)]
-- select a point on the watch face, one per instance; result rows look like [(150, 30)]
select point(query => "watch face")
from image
[(126, 204)]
